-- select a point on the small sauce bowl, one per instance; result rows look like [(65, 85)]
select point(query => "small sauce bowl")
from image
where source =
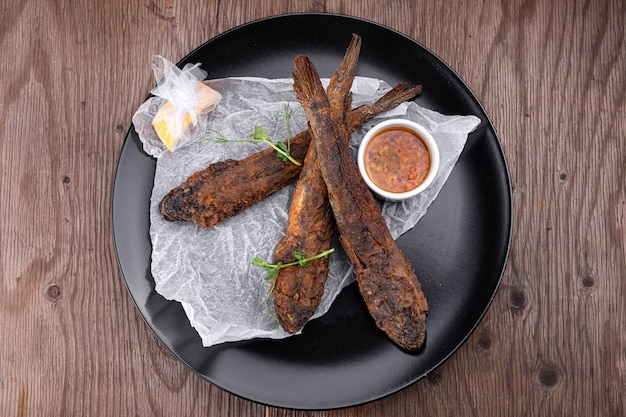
[(398, 159)]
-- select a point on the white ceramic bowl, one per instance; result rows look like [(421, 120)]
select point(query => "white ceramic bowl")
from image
[(417, 130)]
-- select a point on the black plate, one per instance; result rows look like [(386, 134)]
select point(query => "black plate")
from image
[(458, 249)]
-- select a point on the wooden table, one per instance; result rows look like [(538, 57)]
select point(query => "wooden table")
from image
[(552, 76)]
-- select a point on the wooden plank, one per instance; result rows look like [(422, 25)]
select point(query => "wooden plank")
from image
[(551, 75)]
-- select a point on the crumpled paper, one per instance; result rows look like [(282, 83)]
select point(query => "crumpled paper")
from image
[(210, 271)]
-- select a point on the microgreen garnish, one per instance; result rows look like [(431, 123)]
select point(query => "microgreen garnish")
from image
[(285, 148), (287, 114), (258, 135), (272, 269)]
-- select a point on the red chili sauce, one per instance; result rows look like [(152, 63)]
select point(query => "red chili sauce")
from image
[(397, 160)]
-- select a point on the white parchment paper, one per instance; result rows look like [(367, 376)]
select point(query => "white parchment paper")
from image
[(209, 271)]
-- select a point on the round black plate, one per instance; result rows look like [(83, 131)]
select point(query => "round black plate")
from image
[(458, 249)]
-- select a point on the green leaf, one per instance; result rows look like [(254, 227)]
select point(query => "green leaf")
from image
[(300, 258), (260, 134), (258, 262), (285, 149)]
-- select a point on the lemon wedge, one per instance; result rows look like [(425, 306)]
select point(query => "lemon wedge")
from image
[(169, 132)]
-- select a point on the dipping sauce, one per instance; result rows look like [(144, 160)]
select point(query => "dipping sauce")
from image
[(397, 159)]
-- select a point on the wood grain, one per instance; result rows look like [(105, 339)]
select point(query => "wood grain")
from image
[(551, 74)]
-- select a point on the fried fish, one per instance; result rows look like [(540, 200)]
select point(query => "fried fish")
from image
[(385, 277), (298, 290)]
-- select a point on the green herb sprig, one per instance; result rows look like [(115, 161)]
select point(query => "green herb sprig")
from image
[(258, 135), (287, 114), (273, 269)]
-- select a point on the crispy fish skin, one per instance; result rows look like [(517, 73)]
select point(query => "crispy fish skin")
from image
[(386, 279), (298, 290), (225, 188)]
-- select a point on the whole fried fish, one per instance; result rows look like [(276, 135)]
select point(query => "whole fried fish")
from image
[(386, 279), (298, 289)]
